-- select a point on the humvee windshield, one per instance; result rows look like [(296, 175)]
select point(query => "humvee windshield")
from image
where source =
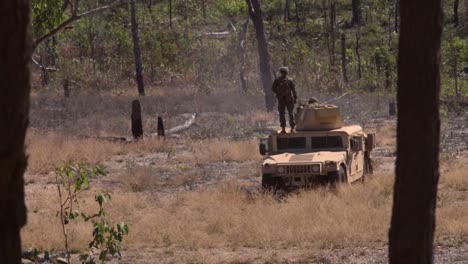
[(327, 142), (292, 143), (316, 143)]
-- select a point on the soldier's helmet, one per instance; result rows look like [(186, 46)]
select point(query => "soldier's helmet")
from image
[(284, 70)]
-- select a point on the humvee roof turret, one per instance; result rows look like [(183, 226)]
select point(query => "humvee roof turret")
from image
[(321, 150)]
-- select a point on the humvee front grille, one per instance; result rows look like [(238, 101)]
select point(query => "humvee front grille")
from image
[(301, 169)]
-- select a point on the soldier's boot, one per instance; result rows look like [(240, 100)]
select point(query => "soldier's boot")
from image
[(292, 129), (283, 130)]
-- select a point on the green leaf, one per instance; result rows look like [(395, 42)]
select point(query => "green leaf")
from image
[(100, 199), (103, 255), (74, 214)]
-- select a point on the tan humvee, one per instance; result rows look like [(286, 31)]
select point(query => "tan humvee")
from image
[(321, 150)]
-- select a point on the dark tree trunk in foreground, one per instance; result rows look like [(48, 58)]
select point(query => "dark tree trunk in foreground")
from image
[(137, 49), (356, 5), (411, 237), (255, 13), (15, 54)]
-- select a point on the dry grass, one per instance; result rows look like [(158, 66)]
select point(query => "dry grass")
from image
[(386, 134), (207, 151), (49, 150), (227, 216)]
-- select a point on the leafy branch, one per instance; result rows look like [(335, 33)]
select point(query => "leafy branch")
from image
[(74, 16)]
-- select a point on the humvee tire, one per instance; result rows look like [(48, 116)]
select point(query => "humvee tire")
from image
[(338, 177), (270, 183)]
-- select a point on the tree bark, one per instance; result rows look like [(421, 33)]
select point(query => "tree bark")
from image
[(411, 237), (160, 128), (137, 49), (296, 5), (358, 53), (397, 14), (15, 55), (455, 67), (170, 13), (242, 35), (343, 58), (455, 12), (332, 31), (137, 121), (356, 5), (255, 13), (286, 11), (204, 9)]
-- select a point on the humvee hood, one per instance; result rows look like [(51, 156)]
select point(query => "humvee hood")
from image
[(315, 157)]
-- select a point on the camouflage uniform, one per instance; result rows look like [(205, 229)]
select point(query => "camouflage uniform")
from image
[(285, 91)]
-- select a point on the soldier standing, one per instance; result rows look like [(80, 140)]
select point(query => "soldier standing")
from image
[(285, 91)]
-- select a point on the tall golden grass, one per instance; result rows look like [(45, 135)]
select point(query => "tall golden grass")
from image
[(49, 150), (228, 216), (206, 151)]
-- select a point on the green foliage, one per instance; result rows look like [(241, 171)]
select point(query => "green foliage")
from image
[(107, 238), (231, 8), (46, 14), (97, 53)]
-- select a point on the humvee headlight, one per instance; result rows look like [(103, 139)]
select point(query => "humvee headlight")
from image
[(330, 164), (280, 169), (316, 168)]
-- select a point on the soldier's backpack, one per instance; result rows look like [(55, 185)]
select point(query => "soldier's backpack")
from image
[(284, 88)]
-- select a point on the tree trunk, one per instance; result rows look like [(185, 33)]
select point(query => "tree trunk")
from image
[(298, 27), (389, 26), (411, 237), (160, 128), (326, 30), (137, 120), (388, 76), (15, 55), (455, 67), (242, 35), (255, 13), (356, 5), (343, 58), (137, 49), (204, 10), (455, 12), (170, 13), (358, 53), (397, 14), (286, 11), (332, 31)]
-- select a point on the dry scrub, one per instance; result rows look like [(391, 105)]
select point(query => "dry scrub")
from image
[(386, 134), (227, 216), (49, 150), (207, 151)]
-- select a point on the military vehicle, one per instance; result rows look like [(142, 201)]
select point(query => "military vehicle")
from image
[(321, 150)]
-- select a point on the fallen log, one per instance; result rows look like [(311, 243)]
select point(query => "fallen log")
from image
[(180, 128)]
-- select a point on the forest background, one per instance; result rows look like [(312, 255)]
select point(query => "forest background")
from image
[(330, 46)]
